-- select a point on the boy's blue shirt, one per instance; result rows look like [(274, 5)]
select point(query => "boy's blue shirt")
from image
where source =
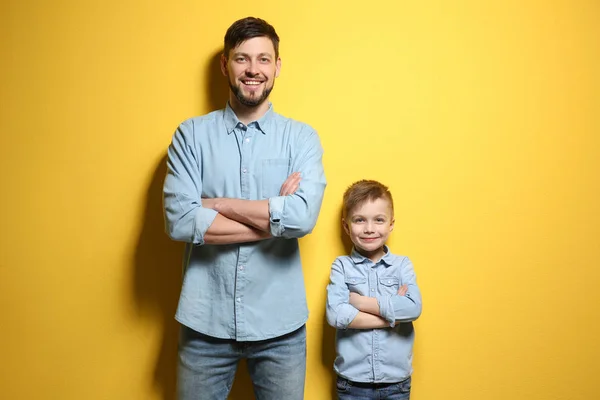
[(374, 355)]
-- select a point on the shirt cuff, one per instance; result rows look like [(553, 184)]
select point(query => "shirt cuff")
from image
[(386, 309), (204, 219), (275, 215), (346, 315)]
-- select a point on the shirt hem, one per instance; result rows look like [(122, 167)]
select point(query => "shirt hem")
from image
[(284, 331)]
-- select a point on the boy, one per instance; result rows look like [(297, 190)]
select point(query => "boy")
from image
[(372, 299)]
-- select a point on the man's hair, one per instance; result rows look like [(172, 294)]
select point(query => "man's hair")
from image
[(248, 28), (362, 191)]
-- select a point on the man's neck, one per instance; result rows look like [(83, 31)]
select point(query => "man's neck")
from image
[(248, 114)]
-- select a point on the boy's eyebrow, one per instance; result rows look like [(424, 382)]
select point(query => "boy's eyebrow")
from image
[(362, 216)]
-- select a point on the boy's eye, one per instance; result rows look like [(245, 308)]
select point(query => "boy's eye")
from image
[(358, 220), (380, 220)]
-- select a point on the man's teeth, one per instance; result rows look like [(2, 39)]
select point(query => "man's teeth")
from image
[(252, 83)]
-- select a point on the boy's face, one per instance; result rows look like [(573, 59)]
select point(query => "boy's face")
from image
[(251, 69), (369, 225)]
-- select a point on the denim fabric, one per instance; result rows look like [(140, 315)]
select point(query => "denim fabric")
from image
[(374, 355), (247, 291), (348, 390), (207, 366)]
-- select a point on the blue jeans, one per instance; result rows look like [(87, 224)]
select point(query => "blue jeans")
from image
[(207, 366), (348, 390)]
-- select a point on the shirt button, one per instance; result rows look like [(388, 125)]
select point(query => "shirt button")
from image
[(244, 170), (372, 290), (247, 140), (389, 281), (238, 299), (241, 267)]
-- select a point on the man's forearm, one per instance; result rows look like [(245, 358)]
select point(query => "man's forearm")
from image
[(254, 213), (365, 320), (227, 231)]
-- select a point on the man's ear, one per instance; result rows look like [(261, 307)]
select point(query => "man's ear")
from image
[(223, 64), (277, 67)]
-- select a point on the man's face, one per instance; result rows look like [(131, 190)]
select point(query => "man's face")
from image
[(369, 226), (251, 69)]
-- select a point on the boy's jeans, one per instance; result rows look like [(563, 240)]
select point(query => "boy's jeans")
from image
[(347, 390), (207, 366)]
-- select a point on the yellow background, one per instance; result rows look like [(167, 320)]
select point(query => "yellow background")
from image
[(482, 117)]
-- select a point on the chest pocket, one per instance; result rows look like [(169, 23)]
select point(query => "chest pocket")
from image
[(273, 173), (389, 285), (357, 284)]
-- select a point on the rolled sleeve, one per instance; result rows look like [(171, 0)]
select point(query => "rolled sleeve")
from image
[(185, 218), (386, 309), (275, 212), (408, 307), (339, 312), (296, 215), (204, 218)]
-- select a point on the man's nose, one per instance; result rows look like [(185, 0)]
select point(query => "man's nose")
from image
[(251, 69)]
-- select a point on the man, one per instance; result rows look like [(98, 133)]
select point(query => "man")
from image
[(243, 184)]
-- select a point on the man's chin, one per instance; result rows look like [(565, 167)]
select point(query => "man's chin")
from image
[(255, 100), (251, 101)]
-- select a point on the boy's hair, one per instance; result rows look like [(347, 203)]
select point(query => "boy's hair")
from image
[(248, 28), (362, 191)]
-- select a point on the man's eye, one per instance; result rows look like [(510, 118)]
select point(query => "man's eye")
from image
[(264, 59), (240, 59)]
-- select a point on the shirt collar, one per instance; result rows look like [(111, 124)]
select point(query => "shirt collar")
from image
[(385, 260), (263, 123)]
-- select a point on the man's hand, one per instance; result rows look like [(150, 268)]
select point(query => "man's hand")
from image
[(209, 203), (402, 290), (290, 185)]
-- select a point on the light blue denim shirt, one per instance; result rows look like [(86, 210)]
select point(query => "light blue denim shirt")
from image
[(249, 291), (373, 355)]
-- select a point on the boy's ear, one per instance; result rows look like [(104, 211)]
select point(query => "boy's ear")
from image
[(392, 224), (345, 226)]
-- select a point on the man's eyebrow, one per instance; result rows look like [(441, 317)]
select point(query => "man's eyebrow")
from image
[(239, 53)]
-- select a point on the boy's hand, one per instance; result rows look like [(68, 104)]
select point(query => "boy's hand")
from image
[(290, 185), (355, 300), (402, 290)]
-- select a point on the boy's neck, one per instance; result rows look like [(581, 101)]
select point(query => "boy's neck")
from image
[(374, 255)]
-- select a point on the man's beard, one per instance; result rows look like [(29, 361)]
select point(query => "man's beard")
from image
[(253, 102)]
